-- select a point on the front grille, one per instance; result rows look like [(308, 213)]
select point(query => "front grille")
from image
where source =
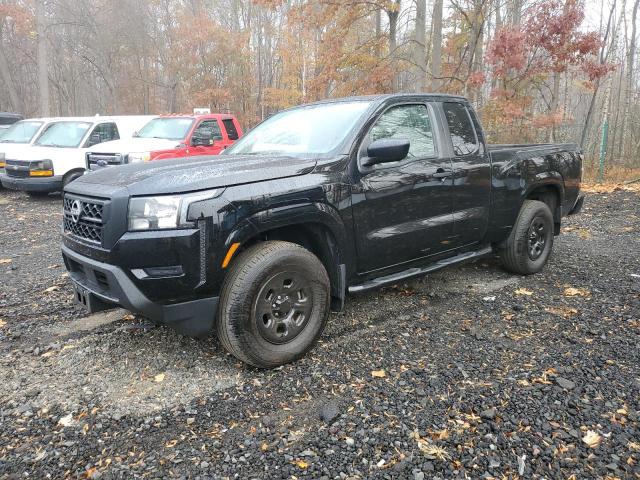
[(16, 169), (83, 218), (97, 160)]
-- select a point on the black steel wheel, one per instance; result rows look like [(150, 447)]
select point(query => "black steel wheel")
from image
[(530, 242), (274, 304)]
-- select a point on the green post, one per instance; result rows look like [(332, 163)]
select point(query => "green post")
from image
[(603, 149)]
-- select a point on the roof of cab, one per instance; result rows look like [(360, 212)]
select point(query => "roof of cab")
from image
[(199, 116), (387, 96)]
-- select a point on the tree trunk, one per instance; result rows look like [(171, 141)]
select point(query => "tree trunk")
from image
[(436, 48), (393, 14), (629, 87), (7, 78), (419, 50), (43, 67)]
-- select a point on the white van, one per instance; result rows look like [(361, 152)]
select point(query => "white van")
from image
[(57, 156), (18, 136)]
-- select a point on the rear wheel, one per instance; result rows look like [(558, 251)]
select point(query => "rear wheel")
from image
[(274, 304), (529, 245)]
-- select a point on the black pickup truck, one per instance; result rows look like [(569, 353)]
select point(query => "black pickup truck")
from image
[(318, 201)]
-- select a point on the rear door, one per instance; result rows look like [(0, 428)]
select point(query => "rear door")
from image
[(471, 174), (402, 210)]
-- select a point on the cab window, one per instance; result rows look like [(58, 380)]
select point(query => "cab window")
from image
[(463, 135), (208, 129), (103, 132), (410, 122)]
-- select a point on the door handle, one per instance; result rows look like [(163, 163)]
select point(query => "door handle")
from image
[(441, 173)]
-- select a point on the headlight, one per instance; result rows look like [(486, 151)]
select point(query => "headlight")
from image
[(2, 160), (41, 168), (164, 211), (138, 157)]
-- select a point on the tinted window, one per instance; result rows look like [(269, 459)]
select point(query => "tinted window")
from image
[(463, 135), (409, 122), (208, 129), (230, 127), (103, 133)]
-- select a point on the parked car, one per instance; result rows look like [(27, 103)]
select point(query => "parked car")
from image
[(318, 201), (57, 156), (169, 136), (8, 119), (18, 136)]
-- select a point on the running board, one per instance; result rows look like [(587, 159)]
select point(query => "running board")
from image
[(416, 271)]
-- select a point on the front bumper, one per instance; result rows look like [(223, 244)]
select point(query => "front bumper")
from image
[(100, 286), (32, 184)]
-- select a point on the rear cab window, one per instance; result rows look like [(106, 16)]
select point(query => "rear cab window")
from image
[(230, 127), (461, 129)]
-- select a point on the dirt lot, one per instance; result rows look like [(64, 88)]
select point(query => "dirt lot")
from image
[(470, 372)]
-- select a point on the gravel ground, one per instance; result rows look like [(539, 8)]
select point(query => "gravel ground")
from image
[(470, 372)]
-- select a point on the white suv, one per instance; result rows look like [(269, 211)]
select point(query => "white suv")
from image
[(57, 156)]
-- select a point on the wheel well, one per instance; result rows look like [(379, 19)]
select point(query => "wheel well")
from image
[(76, 171), (550, 195), (320, 241)]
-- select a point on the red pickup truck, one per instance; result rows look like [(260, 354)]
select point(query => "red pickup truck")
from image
[(169, 136)]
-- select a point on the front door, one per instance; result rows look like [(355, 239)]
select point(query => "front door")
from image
[(211, 132), (402, 211)]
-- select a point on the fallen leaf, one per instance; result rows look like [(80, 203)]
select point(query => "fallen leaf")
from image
[(2, 323), (523, 291), (433, 450), (592, 439), (576, 292), (171, 443), (159, 378), (90, 472), (4, 261), (300, 464), (565, 312), (378, 373), (264, 447), (47, 354), (52, 289)]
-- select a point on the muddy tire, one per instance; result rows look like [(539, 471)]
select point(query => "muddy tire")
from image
[(530, 242), (274, 304)]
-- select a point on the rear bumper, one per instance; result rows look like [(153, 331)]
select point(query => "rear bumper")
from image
[(100, 286), (44, 184), (577, 206)]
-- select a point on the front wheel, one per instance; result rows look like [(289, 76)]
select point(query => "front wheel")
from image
[(274, 304), (529, 245)]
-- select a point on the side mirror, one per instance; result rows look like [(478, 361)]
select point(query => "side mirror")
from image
[(197, 141), (386, 150), (94, 139)]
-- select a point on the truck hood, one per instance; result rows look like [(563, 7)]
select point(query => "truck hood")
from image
[(13, 150), (48, 153), (192, 174), (135, 144)]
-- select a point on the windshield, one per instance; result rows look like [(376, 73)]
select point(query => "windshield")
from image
[(66, 134), (175, 128), (21, 132), (314, 129)]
